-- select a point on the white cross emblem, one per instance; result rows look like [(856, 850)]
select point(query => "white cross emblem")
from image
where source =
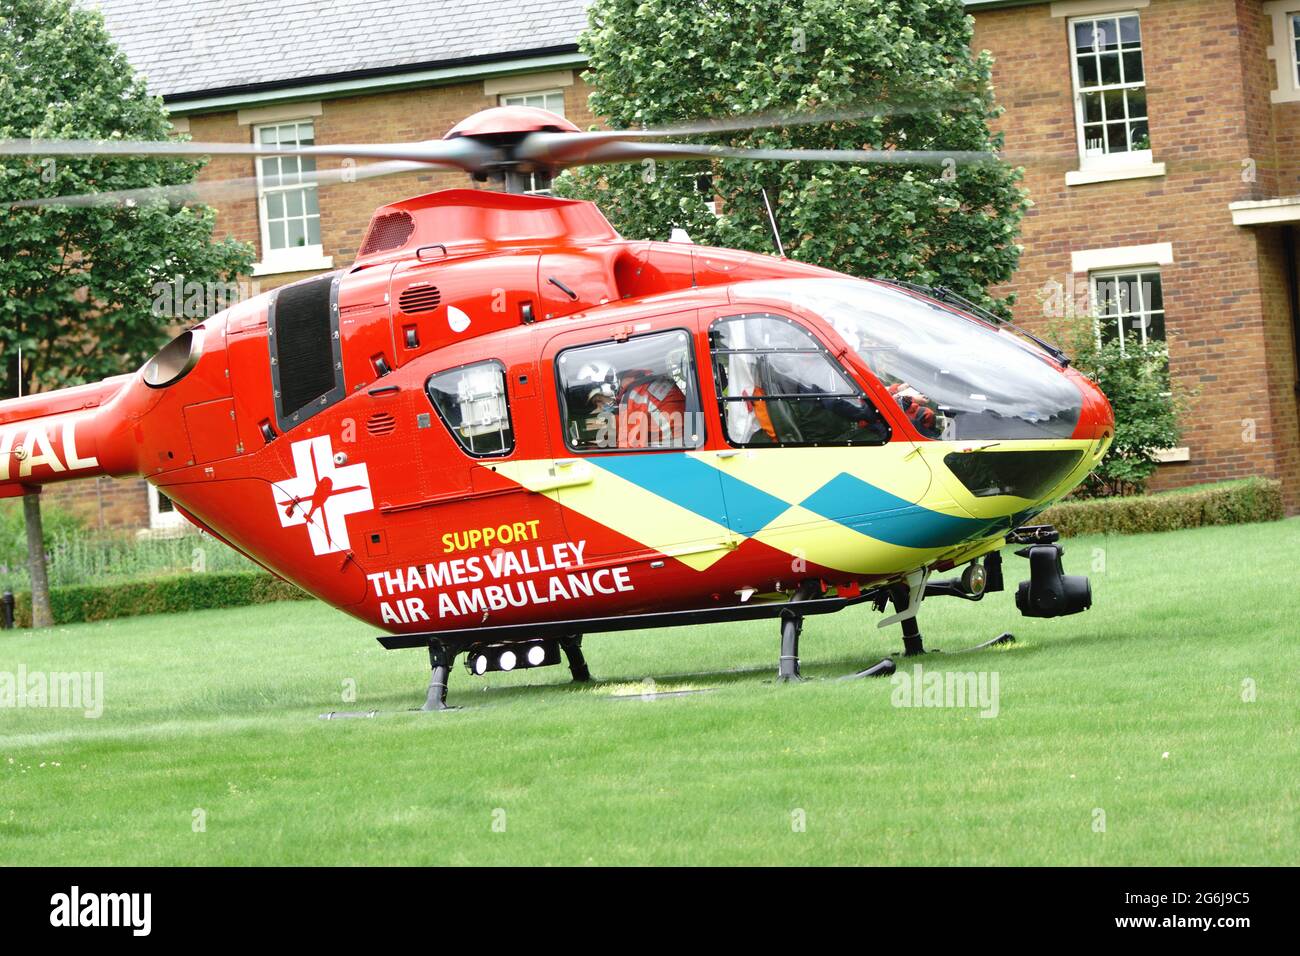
[(322, 495)]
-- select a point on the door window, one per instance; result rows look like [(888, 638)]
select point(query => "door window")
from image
[(641, 393)]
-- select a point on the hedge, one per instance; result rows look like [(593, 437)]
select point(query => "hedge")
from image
[(1231, 502), (160, 595)]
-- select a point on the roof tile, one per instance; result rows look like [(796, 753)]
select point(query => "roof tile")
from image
[(248, 42)]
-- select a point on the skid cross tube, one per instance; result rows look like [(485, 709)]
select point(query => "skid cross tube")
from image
[(441, 657), (572, 647), (791, 627)]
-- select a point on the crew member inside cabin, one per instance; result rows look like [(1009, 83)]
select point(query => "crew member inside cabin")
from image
[(651, 410), (631, 394), (917, 407), (779, 386)]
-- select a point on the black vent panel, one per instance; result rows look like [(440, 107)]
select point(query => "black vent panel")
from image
[(419, 298), (303, 346), (389, 231)]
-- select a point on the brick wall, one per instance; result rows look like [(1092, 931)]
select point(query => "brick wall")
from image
[(102, 502), (1225, 294)]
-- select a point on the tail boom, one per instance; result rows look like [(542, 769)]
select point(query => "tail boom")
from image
[(62, 435)]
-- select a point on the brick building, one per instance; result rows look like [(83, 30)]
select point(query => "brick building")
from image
[(1157, 138), (1160, 140)]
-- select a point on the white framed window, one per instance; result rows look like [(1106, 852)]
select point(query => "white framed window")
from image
[(1293, 20), (288, 209), (1110, 90), (1284, 51), (162, 513), (552, 100), (1128, 305)]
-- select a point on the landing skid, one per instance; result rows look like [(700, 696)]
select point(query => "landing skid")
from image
[(792, 627), (884, 668), (1006, 637), (905, 598), (914, 643), (440, 660)]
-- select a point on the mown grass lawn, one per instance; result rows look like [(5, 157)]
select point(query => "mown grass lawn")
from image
[(1135, 710)]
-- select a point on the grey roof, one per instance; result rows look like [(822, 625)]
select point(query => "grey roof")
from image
[(199, 46)]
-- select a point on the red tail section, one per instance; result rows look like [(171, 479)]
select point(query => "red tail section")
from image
[(71, 433)]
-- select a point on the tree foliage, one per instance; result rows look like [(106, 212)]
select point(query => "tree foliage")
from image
[(1147, 404), (77, 283), (660, 62)]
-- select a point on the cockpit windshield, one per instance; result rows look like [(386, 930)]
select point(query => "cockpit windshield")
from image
[(954, 377)]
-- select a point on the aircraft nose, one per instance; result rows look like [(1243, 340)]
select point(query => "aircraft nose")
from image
[(1096, 417)]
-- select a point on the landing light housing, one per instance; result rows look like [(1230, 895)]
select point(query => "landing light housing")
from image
[(511, 657)]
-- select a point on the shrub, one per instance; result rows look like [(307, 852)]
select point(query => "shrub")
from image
[(1230, 502), (160, 595), (1134, 377), (57, 524), (910, 67)]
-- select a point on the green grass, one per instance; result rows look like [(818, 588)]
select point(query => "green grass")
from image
[(218, 711)]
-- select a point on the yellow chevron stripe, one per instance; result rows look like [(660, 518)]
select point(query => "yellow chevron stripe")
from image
[(629, 509), (792, 474), (804, 535)]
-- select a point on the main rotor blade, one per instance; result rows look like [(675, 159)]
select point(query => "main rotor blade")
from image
[(564, 148), (214, 190), (621, 152), (462, 153)]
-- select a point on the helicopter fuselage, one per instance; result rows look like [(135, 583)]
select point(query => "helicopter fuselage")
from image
[(505, 414)]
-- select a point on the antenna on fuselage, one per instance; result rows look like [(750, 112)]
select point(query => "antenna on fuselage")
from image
[(771, 220)]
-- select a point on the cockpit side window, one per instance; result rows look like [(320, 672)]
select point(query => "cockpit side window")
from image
[(777, 385)]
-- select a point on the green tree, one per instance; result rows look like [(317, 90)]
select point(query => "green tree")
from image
[(1147, 404), (77, 283), (661, 62)]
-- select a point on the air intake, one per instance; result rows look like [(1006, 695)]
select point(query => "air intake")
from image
[(305, 361), (380, 424), (421, 298), (388, 232)]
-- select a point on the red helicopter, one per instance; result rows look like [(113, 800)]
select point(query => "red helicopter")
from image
[(505, 426)]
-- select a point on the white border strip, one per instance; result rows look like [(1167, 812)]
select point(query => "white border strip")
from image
[(1118, 257)]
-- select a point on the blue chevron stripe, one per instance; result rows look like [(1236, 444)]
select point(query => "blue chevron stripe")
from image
[(704, 490), (885, 517), (699, 487), (681, 479)]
